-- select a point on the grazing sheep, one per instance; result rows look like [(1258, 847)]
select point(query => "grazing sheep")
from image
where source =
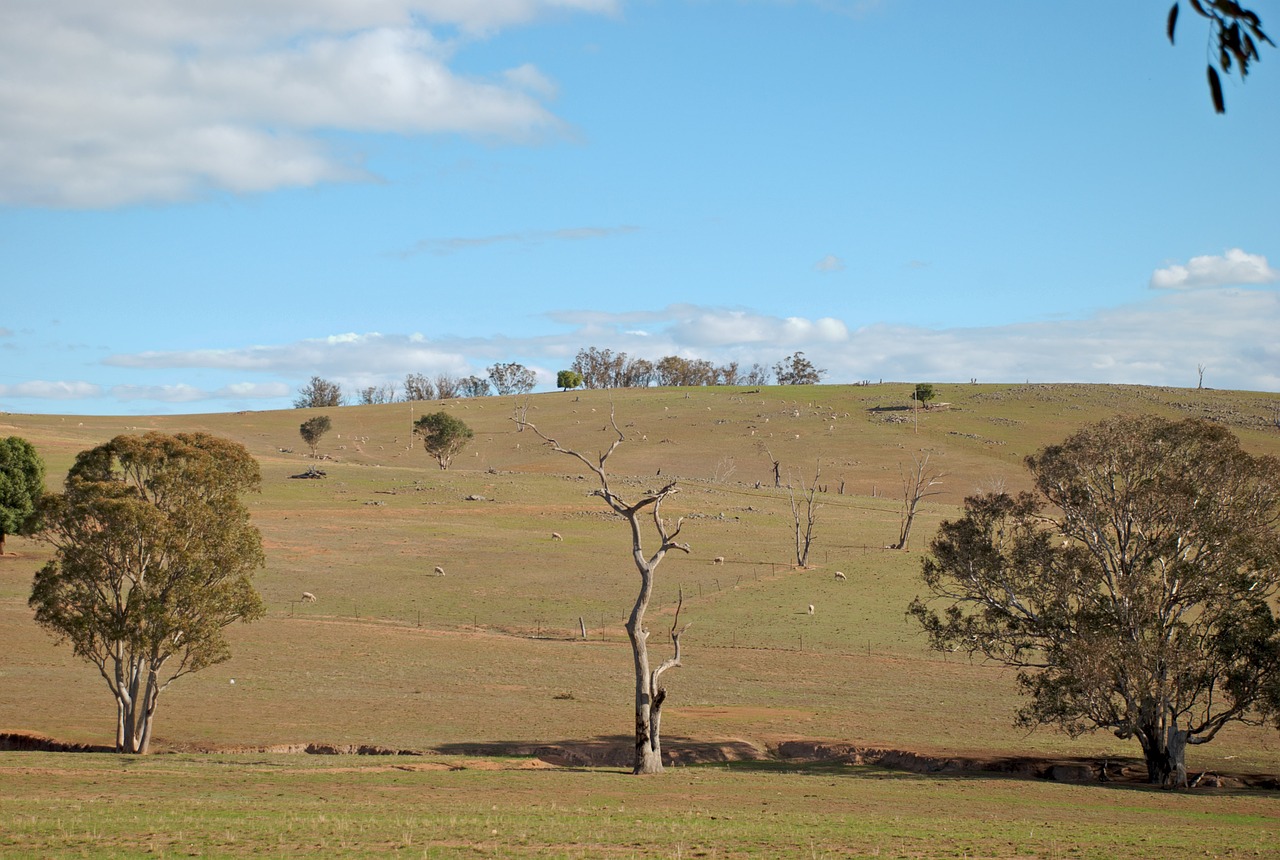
[(840, 574), (439, 570), (718, 560), (810, 608), (308, 597), (557, 536)]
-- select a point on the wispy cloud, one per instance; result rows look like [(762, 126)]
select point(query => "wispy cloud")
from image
[(110, 104), (1230, 269), (40, 389), (830, 263), (454, 244)]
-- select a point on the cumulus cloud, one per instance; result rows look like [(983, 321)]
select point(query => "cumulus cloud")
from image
[(1232, 268), (109, 104), (830, 263)]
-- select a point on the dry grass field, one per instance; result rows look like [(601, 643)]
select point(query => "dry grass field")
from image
[(484, 672)]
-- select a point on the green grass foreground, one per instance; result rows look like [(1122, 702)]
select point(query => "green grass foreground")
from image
[(69, 804)]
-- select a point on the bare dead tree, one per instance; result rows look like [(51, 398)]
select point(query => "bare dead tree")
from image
[(1200, 368), (917, 484), (804, 527), (777, 464), (520, 413), (650, 694)]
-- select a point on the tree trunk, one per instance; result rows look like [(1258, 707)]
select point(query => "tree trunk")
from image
[(648, 749)]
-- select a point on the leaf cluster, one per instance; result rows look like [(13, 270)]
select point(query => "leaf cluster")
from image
[(1238, 32), (21, 486)]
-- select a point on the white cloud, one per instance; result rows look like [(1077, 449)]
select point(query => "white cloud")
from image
[(1232, 268), (830, 263), (104, 104), (42, 390)]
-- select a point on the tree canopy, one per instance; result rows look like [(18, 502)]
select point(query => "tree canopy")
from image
[(154, 555), (317, 393), (512, 378), (795, 369), (21, 486), (566, 379), (313, 429), (1136, 591), (443, 436)]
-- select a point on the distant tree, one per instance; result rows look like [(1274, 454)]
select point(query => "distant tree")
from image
[(599, 368), (473, 386), (443, 436), (314, 428), (917, 485), (1136, 591), (805, 516), (512, 378), (795, 369), (757, 375), (636, 373), (728, 374), (318, 392), (566, 379), (448, 386), (1237, 31), (673, 370), (923, 392), (153, 558), (21, 486), (649, 693), (418, 387), (374, 394)]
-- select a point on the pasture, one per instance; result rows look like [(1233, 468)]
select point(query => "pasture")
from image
[(518, 724)]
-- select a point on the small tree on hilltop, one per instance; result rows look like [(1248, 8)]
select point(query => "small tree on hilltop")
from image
[(318, 393), (154, 554), (21, 486), (1156, 618), (923, 392), (443, 436), (418, 387), (795, 369), (512, 378), (314, 428), (473, 386), (649, 693), (566, 379)]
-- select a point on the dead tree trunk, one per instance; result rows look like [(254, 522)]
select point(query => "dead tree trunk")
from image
[(916, 485), (650, 694), (804, 529)]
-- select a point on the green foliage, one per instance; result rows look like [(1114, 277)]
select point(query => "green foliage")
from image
[(443, 436), (923, 392), (313, 429), (318, 393), (21, 485), (154, 554), (795, 369), (473, 386), (1155, 617), (567, 379)]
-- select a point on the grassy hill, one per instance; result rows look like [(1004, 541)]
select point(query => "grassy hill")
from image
[(489, 658)]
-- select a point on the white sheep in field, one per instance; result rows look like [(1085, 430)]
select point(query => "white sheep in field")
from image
[(439, 570), (810, 608), (308, 597), (557, 536), (840, 574), (718, 560)]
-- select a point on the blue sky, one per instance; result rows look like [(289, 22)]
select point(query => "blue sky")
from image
[(200, 210)]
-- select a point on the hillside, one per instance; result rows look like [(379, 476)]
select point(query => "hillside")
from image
[(490, 654)]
